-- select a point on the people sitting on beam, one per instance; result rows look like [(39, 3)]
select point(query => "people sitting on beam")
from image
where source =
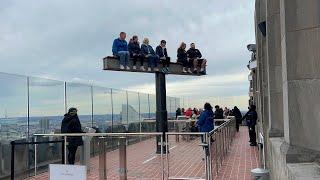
[(150, 54), (135, 53), (183, 58), (120, 49), (194, 56), (161, 51)]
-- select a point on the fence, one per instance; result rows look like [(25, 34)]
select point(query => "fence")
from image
[(213, 146), (32, 105)]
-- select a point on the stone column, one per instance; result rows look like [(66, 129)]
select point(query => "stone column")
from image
[(275, 102), (300, 41), (262, 74)]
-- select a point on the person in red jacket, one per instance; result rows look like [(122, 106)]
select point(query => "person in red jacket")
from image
[(189, 112)]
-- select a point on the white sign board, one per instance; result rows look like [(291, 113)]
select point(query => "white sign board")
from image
[(67, 172)]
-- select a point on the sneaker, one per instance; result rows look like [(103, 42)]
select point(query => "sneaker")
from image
[(149, 69), (134, 67), (164, 70), (184, 70), (156, 69), (202, 69), (142, 68), (121, 67), (189, 70), (128, 68), (195, 69)]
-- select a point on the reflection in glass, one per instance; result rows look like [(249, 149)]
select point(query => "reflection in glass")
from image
[(79, 96), (13, 117), (46, 98), (102, 110), (119, 99), (133, 111), (152, 102)]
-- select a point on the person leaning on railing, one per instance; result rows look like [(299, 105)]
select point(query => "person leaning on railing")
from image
[(120, 49), (206, 119), (71, 124)]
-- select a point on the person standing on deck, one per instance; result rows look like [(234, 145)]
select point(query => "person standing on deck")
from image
[(71, 124), (206, 119), (251, 118), (120, 49), (237, 114)]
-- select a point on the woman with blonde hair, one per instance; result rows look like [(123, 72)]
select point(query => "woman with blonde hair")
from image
[(183, 58), (149, 53)]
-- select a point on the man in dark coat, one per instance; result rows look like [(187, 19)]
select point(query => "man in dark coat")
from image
[(218, 114), (251, 118), (71, 124), (237, 114)]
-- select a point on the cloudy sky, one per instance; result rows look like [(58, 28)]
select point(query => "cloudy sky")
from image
[(66, 40)]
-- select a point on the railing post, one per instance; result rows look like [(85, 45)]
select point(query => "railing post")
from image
[(12, 159), (102, 159), (162, 164), (123, 158), (35, 156), (62, 152), (65, 150)]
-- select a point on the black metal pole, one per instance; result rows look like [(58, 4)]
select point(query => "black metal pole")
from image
[(62, 152), (161, 112), (12, 159)]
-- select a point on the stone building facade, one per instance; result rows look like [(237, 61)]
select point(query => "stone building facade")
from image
[(285, 86)]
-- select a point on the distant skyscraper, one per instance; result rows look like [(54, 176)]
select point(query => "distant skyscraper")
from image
[(44, 125)]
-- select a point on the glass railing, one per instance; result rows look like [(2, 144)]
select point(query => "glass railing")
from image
[(32, 105)]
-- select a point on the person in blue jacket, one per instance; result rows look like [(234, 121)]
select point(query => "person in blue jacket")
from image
[(149, 53), (120, 49), (206, 121), (251, 118)]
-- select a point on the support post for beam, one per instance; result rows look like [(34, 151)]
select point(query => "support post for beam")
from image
[(161, 110)]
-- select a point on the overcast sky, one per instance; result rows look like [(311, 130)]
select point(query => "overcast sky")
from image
[(66, 40)]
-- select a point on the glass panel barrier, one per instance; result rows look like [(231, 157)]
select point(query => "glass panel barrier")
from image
[(134, 117), (79, 96), (46, 107), (102, 109), (120, 118), (13, 121), (146, 124)]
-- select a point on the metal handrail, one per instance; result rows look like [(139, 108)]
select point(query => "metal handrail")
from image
[(224, 133), (14, 143), (99, 134)]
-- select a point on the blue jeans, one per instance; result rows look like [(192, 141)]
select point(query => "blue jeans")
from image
[(153, 61), (124, 57)]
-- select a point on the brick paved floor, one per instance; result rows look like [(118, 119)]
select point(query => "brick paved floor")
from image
[(240, 159), (185, 160)]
